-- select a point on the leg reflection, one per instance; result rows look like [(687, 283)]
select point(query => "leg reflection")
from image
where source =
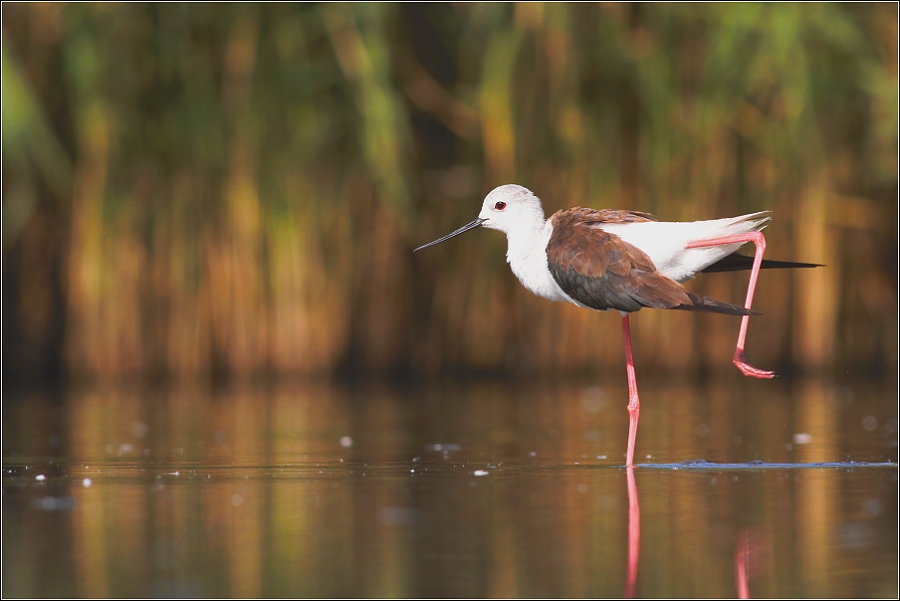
[(634, 533), (751, 558), (741, 552)]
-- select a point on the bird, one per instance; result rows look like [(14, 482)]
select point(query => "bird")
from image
[(622, 260)]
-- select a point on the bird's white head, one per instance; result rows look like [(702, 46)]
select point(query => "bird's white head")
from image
[(511, 208)]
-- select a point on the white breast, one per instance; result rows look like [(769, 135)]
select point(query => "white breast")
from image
[(527, 257)]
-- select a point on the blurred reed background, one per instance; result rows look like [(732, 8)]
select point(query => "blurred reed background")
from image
[(213, 190)]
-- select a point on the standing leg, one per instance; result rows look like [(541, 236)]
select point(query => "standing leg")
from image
[(634, 403), (760, 242)]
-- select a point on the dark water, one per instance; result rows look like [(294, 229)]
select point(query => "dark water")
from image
[(446, 490)]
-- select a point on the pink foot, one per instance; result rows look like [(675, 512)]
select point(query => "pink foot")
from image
[(748, 370)]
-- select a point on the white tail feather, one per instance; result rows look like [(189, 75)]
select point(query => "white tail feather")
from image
[(664, 242)]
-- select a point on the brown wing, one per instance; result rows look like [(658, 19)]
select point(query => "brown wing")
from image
[(600, 270), (582, 215)]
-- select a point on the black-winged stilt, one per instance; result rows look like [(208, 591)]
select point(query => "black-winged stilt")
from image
[(624, 260)]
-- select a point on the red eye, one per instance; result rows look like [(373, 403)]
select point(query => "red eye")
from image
[(500, 205)]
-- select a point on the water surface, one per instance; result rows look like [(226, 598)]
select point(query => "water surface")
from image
[(743, 488)]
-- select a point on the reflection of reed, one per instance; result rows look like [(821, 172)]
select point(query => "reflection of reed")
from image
[(815, 418), (241, 202), (101, 426)]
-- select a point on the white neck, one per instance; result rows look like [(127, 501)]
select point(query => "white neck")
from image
[(524, 241)]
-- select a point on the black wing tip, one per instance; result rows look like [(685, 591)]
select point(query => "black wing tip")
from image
[(711, 305), (803, 265), (739, 262)]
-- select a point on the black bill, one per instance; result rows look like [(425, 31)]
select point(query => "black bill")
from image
[(470, 226)]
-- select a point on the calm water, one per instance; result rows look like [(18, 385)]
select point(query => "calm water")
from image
[(445, 490)]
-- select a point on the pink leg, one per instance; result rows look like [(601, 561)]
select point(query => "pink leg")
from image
[(634, 403), (634, 534), (760, 241)]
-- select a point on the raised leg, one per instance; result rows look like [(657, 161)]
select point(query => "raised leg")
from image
[(759, 241), (634, 403)]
